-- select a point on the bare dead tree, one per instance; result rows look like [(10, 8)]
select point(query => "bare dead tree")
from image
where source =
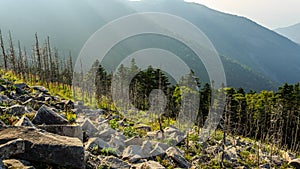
[(12, 52), (3, 51)]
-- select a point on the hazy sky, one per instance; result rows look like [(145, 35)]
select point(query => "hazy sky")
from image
[(269, 13)]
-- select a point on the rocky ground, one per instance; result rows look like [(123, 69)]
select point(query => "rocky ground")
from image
[(39, 130)]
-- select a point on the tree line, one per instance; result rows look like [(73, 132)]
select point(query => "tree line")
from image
[(270, 116), (43, 64)]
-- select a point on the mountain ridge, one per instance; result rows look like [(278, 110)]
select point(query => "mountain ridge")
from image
[(291, 32), (271, 55)]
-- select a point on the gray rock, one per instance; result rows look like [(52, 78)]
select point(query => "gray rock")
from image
[(134, 141), (3, 97), (133, 150), (24, 121), (143, 127), (17, 164), (177, 157), (24, 97), (265, 166), (106, 134), (46, 147), (17, 110), (96, 143), (12, 148), (87, 155), (64, 130), (230, 154), (40, 89), (79, 104), (150, 165), (162, 145), (115, 163), (117, 142), (147, 147), (157, 151), (21, 85), (213, 150), (46, 115), (32, 103), (89, 128), (295, 163)]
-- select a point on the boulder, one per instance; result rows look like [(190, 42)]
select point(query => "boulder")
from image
[(106, 134), (41, 146), (230, 154), (157, 151), (177, 157), (96, 143), (265, 166), (89, 128), (12, 148), (117, 142), (46, 115), (295, 163), (79, 104), (40, 89), (162, 145), (134, 141), (17, 110), (143, 127), (24, 121), (21, 85), (64, 130), (147, 147), (150, 165), (115, 163), (133, 150), (17, 164), (24, 98)]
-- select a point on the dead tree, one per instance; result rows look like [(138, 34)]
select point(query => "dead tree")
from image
[(3, 51), (12, 52)]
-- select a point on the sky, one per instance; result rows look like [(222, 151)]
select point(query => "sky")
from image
[(269, 13)]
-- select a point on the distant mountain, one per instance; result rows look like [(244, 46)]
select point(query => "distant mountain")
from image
[(291, 32), (256, 57)]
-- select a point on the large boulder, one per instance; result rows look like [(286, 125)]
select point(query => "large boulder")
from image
[(12, 148), (89, 128), (46, 115), (41, 146), (64, 130)]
